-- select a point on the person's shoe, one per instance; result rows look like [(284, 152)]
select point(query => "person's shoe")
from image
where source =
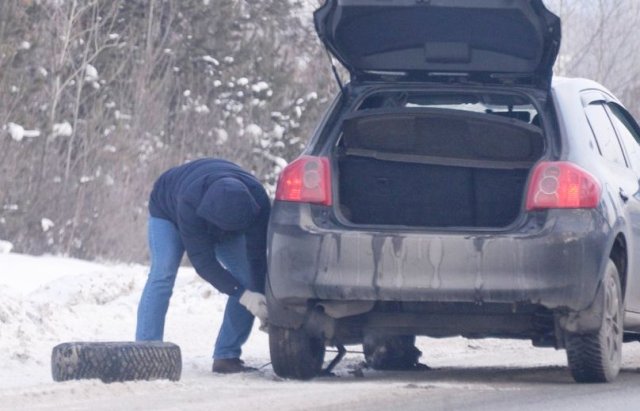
[(230, 366)]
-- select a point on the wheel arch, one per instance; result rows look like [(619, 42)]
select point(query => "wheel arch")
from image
[(619, 256)]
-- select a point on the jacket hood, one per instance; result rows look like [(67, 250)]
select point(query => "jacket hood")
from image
[(229, 205)]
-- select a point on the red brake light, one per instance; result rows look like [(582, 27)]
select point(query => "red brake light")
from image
[(306, 180), (562, 185)]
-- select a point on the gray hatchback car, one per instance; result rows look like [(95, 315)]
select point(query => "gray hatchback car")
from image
[(455, 188)]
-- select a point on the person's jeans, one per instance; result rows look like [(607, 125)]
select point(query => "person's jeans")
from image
[(166, 251)]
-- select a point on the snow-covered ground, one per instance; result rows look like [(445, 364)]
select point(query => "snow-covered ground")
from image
[(48, 300)]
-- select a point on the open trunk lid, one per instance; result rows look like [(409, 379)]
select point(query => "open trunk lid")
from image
[(487, 41)]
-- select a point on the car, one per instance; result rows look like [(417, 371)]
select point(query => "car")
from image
[(456, 188)]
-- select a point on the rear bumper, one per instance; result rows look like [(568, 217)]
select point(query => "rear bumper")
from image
[(554, 260)]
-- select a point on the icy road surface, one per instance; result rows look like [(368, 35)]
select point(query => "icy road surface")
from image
[(48, 300)]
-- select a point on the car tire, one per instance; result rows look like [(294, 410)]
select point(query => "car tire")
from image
[(294, 353), (596, 357), (391, 352), (116, 361)]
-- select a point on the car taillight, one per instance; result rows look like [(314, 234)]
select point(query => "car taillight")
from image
[(562, 185), (306, 180)]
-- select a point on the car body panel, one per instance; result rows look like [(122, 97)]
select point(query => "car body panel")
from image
[(553, 261)]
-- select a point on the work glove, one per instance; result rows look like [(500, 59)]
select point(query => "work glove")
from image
[(256, 303)]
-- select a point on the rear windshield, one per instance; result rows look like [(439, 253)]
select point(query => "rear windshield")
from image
[(509, 106)]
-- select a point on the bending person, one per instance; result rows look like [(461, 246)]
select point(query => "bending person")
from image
[(218, 213)]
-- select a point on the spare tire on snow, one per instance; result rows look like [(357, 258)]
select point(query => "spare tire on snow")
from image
[(116, 361)]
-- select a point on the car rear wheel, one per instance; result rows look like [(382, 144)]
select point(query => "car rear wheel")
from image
[(596, 357), (294, 353)]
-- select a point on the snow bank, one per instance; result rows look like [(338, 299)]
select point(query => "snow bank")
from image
[(48, 300), (5, 247), (44, 300)]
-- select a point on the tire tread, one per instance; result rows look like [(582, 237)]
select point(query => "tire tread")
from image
[(116, 361), (294, 354), (586, 354)]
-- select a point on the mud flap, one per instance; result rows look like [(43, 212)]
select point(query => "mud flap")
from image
[(584, 321), (283, 316)]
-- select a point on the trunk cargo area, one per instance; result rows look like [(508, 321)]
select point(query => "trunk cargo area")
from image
[(435, 168)]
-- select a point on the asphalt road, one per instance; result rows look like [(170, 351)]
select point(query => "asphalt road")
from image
[(497, 389), (473, 376)]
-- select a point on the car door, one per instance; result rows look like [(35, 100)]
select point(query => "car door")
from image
[(629, 135), (618, 178)]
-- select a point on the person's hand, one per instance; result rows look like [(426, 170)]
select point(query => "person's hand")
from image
[(256, 303)]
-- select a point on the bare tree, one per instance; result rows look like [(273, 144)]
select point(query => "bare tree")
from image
[(121, 90), (599, 42)]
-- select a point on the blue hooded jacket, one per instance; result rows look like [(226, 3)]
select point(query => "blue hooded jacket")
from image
[(207, 199)]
